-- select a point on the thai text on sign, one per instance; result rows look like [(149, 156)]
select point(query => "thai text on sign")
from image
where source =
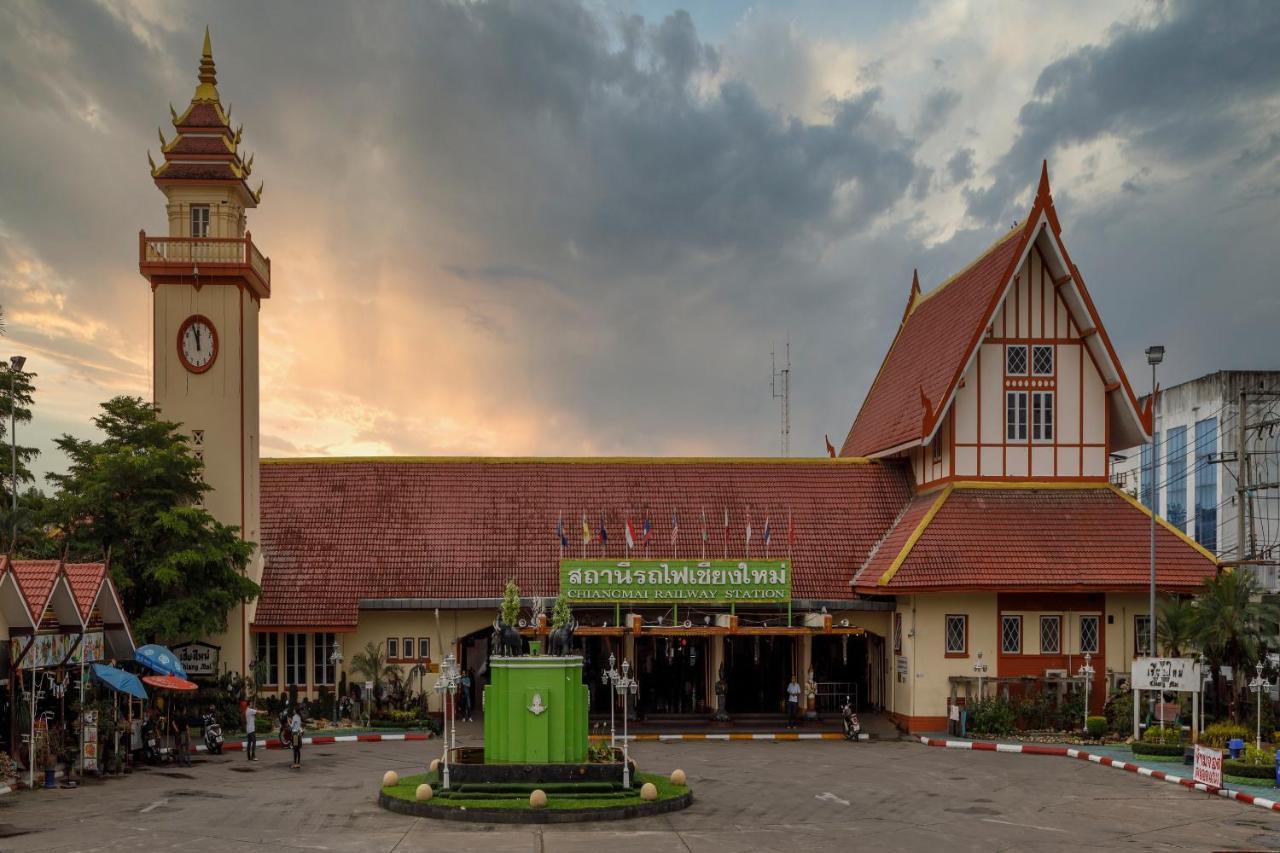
[(1181, 674), (1208, 766), (676, 581)]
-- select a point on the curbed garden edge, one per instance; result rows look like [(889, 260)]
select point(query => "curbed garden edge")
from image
[(1080, 754)]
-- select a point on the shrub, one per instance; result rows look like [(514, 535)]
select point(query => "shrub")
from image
[(1159, 749), (1259, 757), (992, 716), (1218, 734), (1119, 711), (1096, 726), (1239, 767), (1163, 735)]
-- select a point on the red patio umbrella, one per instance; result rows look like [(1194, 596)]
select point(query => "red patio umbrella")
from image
[(168, 682)]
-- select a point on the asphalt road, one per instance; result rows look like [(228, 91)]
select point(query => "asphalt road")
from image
[(810, 796)]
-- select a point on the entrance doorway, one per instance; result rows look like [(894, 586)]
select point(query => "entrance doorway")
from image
[(673, 674), (840, 670), (758, 670)]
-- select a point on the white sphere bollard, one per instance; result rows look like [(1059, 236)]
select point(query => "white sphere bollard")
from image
[(423, 793), (677, 777), (538, 799), (435, 765), (390, 778), (648, 792)]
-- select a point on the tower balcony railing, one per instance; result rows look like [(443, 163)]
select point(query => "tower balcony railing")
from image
[(213, 257)]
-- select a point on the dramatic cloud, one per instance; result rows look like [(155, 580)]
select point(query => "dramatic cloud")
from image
[(559, 227)]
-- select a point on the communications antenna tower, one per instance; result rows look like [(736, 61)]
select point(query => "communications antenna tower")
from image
[(780, 385)]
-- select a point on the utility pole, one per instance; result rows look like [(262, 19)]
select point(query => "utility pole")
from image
[(1242, 477), (780, 386)]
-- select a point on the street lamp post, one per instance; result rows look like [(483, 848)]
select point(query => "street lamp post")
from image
[(624, 685), (16, 363), (610, 679), (981, 669), (1257, 685), (446, 686), (1155, 355), (336, 659), (1086, 672)]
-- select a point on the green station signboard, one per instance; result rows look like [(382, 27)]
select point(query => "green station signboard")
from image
[(675, 581)]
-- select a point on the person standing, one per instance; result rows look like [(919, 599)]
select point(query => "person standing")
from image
[(793, 703), (179, 726), (466, 695), (295, 730), (251, 731)]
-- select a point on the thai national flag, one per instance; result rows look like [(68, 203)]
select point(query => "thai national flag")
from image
[(646, 530), (630, 535), (604, 532), (564, 540), (768, 531), (675, 528)]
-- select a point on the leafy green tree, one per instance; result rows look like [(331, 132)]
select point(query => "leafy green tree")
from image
[(1232, 622), (511, 603), (561, 613), (1176, 626), (371, 666), (135, 495), (17, 393)]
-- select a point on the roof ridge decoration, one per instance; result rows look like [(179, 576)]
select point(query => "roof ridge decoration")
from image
[(569, 460), (187, 156)]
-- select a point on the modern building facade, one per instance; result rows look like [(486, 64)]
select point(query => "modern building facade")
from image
[(1193, 483), (968, 520)]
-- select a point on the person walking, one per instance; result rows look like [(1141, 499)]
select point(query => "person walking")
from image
[(793, 703), (295, 730), (251, 731)]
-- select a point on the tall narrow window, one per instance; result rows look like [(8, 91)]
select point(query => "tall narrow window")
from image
[(1089, 634), (1206, 484), (1015, 359), (408, 647), (957, 634), (1042, 360), (295, 658), (1151, 475), (1142, 635), (1011, 635), (1042, 416), (1175, 472), (897, 633), (269, 651), (424, 648), (393, 648), (1050, 635), (324, 666), (1015, 415), (199, 220)]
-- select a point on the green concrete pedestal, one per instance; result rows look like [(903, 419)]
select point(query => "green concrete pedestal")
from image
[(535, 711)]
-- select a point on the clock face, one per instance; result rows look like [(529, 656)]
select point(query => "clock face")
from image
[(197, 343)]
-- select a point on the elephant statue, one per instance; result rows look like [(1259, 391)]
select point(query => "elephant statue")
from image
[(560, 640), (506, 639)]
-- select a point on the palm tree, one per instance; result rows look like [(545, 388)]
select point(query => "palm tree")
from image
[(418, 671), (1231, 620), (1176, 626), (372, 667)]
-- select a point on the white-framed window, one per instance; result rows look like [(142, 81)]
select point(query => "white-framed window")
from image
[(1011, 635), (424, 648), (1015, 359), (1042, 360), (1089, 628), (199, 220), (393, 648), (324, 668), (1142, 635), (1015, 419), (1050, 635), (957, 631), (295, 658), (269, 651), (1042, 416), (408, 647)]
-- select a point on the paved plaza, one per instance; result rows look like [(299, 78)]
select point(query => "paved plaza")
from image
[(812, 796)]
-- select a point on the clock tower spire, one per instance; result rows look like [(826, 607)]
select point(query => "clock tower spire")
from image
[(208, 281)]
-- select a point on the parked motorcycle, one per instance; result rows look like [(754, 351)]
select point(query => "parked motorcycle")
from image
[(150, 749), (849, 720), (212, 734)]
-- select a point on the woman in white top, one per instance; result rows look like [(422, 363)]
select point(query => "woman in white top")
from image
[(295, 728)]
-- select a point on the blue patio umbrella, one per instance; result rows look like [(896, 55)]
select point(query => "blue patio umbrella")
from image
[(160, 660), (118, 679)]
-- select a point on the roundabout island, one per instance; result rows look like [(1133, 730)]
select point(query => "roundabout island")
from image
[(536, 765)]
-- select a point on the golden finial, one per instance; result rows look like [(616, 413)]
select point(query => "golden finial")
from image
[(227, 114), (257, 196), (173, 113), (160, 133), (152, 162), (207, 90), (239, 133), (249, 165)]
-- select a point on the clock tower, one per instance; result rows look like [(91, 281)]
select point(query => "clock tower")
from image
[(208, 280)]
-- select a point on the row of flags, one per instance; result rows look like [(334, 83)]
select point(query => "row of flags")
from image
[(634, 538)]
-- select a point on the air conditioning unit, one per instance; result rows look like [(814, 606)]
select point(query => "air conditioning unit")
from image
[(1055, 673)]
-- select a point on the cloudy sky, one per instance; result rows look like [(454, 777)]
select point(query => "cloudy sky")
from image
[(574, 227)]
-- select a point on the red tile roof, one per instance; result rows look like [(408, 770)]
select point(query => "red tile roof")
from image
[(1016, 538), (337, 531), (930, 351), (86, 580), (36, 579)]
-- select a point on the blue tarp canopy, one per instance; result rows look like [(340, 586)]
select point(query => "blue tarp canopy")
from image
[(118, 679), (159, 659)]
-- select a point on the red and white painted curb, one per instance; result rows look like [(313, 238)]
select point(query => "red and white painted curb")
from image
[(1071, 752), (649, 737)]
